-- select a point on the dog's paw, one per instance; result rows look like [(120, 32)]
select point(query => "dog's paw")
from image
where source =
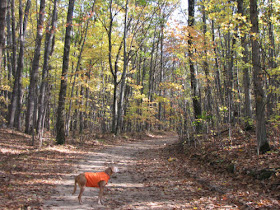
[(100, 202)]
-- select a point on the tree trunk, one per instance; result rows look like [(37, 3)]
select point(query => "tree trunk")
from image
[(9, 52), (43, 89), (194, 86), (12, 106), (206, 66), (29, 123), (81, 110), (123, 79), (219, 95), (246, 77), (60, 135), (114, 70), (3, 9), (160, 104), (83, 40), (18, 79), (151, 72), (271, 62), (262, 142)]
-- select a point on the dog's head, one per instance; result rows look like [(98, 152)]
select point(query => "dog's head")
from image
[(111, 170)]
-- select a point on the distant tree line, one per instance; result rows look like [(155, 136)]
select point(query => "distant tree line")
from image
[(128, 66)]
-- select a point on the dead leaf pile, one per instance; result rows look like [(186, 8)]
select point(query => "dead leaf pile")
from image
[(28, 176)]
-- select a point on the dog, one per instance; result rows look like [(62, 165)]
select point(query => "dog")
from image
[(91, 179)]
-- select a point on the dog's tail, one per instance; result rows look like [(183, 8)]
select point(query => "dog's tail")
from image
[(75, 186)]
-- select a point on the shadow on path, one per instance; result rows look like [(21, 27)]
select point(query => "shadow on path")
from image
[(126, 188)]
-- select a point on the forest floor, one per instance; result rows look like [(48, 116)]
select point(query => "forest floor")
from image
[(155, 173)]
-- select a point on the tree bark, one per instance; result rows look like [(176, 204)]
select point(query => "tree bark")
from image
[(50, 31), (60, 131), (246, 77), (113, 69), (16, 102), (161, 104), (123, 79), (271, 62), (83, 40), (151, 72), (206, 66), (9, 52), (194, 86), (29, 123), (12, 105), (262, 142), (3, 9)]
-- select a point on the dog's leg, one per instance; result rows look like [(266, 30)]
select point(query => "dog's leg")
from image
[(81, 180), (101, 191), (75, 186), (81, 193)]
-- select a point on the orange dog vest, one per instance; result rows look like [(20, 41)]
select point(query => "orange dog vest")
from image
[(94, 178)]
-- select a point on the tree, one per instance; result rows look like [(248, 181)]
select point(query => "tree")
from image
[(31, 109), (60, 131), (3, 9), (208, 97), (258, 75), (123, 83), (194, 85), (16, 102), (78, 67), (50, 31), (114, 69), (271, 61), (246, 77), (133, 69)]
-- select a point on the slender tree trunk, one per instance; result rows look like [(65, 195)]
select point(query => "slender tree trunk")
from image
[(151, 72), (81, 111), (9, 52), (217, 72), (76, 73), (3, 9), (50, 31), (68, 115), (12, 106), (18, 77), (219, 99), (160, 104), (229, 42), (113, 71), (60, 133), (271, 62), (246, 77), (13, 98), (123, 80), (14, 42), (194, 87), (206, 66), (23, 26), (86, 113), (29, 123), (262, 142)]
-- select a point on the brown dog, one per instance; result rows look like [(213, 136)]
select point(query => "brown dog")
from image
[(91, 179)]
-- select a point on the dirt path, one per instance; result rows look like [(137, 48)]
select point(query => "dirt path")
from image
[(153, 176), (127, 190)]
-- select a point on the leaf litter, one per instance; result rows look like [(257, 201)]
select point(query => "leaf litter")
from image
[(159, 176)]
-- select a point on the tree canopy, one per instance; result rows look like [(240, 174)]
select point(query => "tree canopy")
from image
[(133, 65)]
